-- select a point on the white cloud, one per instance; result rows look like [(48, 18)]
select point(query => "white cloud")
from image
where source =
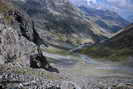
[(79, 2), (122, 4), (115, 5)]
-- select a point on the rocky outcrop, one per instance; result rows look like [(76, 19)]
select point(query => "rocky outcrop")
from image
[(19, 40), (40, 61)]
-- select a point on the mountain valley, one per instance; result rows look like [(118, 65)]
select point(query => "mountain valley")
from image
[(37, 38)]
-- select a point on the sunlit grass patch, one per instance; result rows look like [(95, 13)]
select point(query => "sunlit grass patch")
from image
[(105, 52)]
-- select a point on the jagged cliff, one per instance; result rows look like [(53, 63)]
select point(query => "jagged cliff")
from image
[(19, 39)]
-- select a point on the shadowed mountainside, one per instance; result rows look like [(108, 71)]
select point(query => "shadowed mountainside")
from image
[(119, 47), (59, 20)]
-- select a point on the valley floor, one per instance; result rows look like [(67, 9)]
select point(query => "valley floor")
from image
[(76, 72), (86, 71)]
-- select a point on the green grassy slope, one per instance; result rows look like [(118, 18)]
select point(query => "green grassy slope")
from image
[(119, 47)]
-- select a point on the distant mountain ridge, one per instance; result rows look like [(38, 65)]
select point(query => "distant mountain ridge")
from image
[(106, 19), (130, 18)]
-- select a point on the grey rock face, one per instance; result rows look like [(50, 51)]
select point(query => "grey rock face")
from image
[(19, 40), (14, 47)]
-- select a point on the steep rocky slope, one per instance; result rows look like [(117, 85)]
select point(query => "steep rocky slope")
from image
[(19, 39), (119, 47), (59, 20)]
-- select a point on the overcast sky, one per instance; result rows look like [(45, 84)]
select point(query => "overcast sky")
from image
[(123, 7)]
